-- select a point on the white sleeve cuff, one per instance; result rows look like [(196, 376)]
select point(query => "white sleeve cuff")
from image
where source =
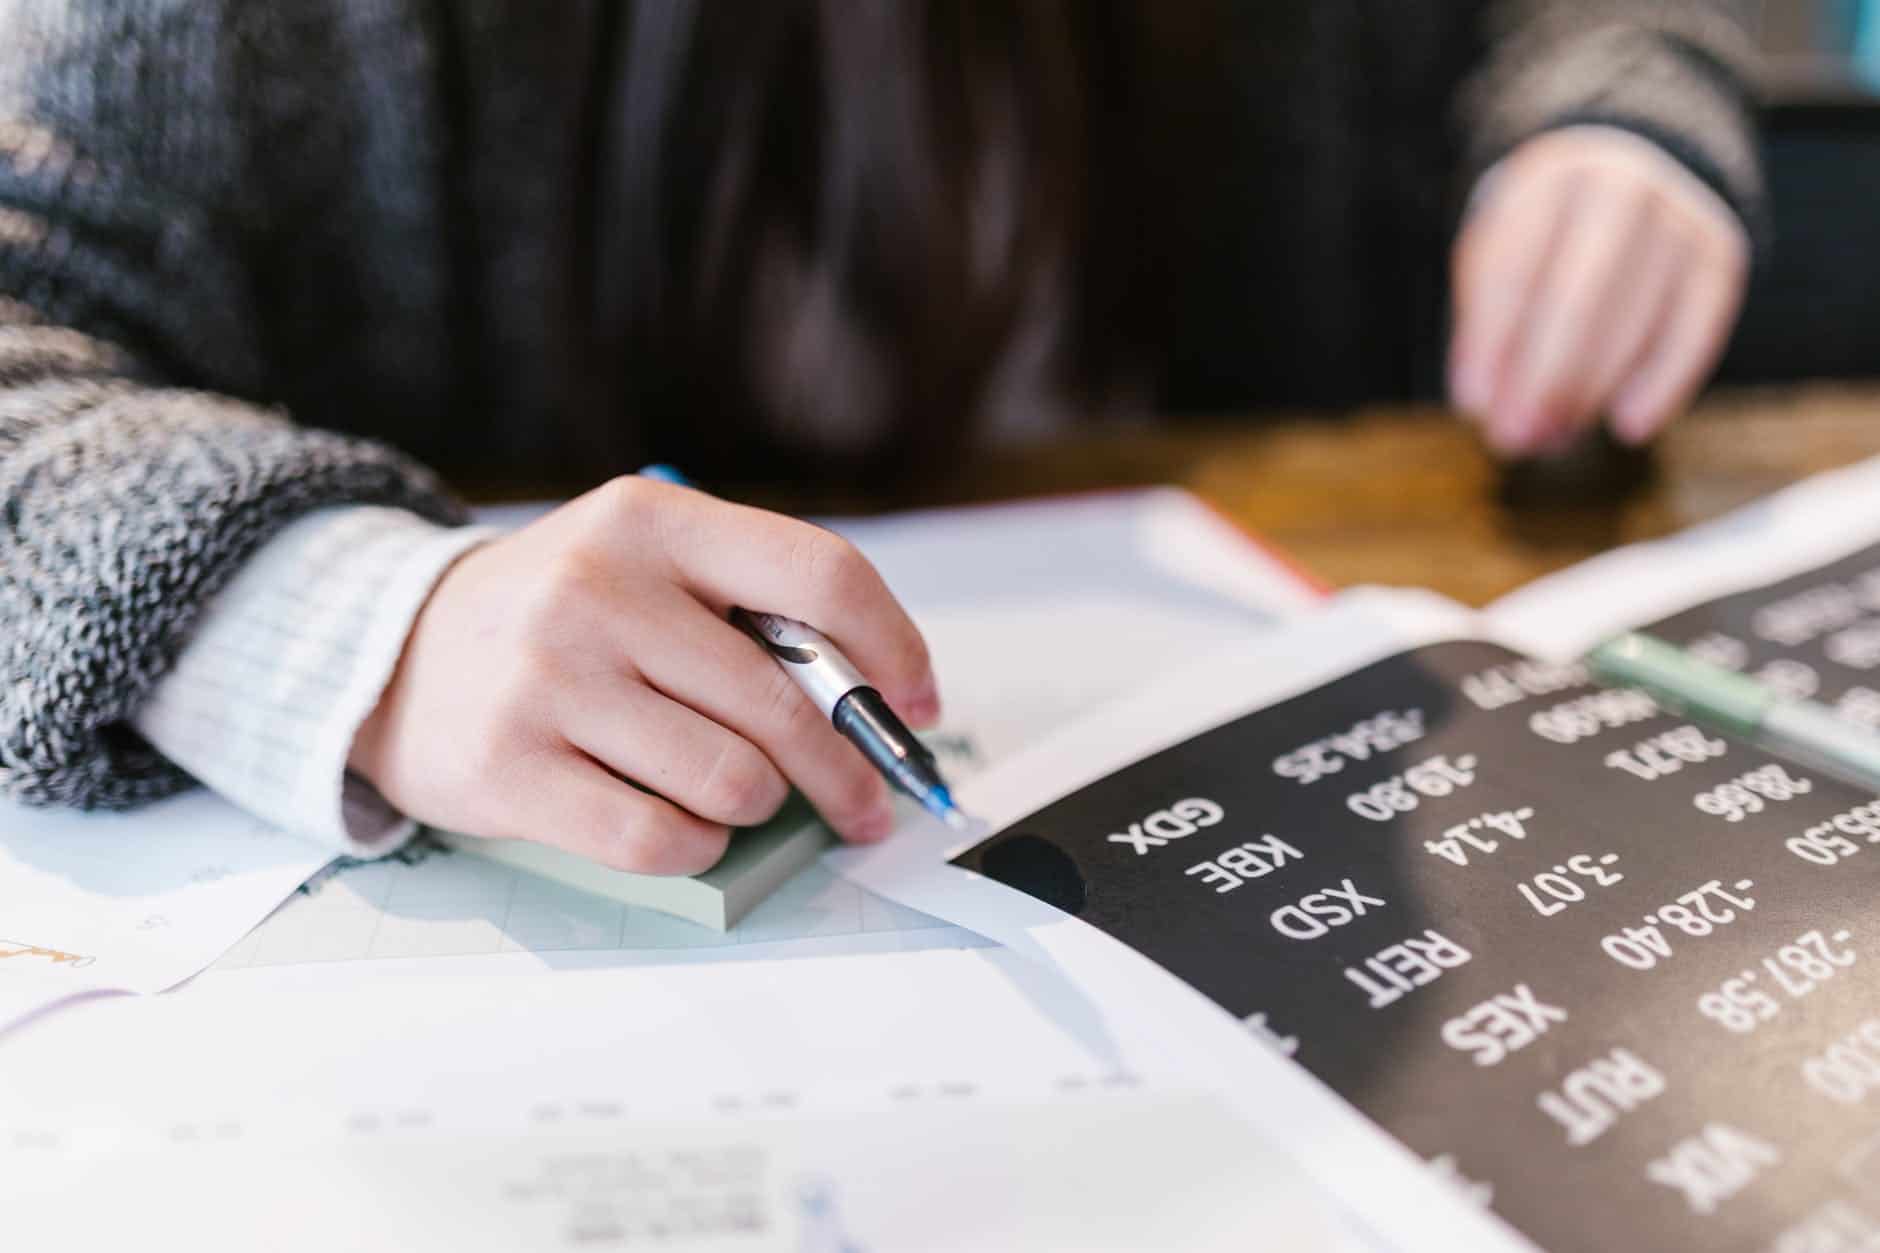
[(288, 660)]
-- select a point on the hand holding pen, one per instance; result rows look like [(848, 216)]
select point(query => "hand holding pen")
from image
[(579, 682), (854, 707)]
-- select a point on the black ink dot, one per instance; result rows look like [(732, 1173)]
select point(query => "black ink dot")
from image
[(1037, 867)]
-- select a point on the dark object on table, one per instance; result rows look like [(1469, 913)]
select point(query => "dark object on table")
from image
[(1596, 470)]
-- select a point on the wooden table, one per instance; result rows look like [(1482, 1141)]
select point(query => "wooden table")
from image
[(1409, 497)]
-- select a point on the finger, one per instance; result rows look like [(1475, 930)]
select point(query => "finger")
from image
[(671, 750), (1639, 315), (1704, 310), (1497, 261), (1544, 393), (724, 675), (565, 800), (734, 555)]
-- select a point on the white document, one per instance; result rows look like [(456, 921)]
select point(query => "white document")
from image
[(132, 902), (1058, 1176), (1812, 523), (838, 1104), (1385, 1186), (1815, 523), (1036, 613)]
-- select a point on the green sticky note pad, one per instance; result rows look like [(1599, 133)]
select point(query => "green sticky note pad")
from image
[(758, 861)]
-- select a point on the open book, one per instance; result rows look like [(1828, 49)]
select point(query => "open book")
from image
[(1616, 974)]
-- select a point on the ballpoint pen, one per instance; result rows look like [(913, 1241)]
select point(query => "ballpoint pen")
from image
[(858, 712)]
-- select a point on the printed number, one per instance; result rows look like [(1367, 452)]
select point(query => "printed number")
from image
[(1747, 793), (1473, 834)]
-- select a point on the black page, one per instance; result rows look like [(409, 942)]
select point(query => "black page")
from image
[(1680, 1083)]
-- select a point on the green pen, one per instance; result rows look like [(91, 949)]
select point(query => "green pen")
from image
[(1736, 704)]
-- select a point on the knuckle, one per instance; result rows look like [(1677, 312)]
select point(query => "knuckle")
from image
[(511, 752), (556, 587), (538, 666), (513, 706), (623, 836), (626, 498), (639, 850), (570, 580), (573, 573), (740, 786), (834, 567), (1663, 210), (1632, 198), (652, 842), (705, 848)]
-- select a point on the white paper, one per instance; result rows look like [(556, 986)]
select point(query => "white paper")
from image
[(941, 1177), (1565, 615), (133, 902), (1382, 1182), (855, 1081), (1557, 618), (285, 1049), (1040, 612), (1036, 613)]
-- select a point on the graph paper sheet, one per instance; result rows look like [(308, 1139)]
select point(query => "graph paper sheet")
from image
[(138, 903), (943, 1100)]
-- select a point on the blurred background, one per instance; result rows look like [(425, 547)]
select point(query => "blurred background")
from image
[(1814, 309), (1814, 306), (1823, 48)]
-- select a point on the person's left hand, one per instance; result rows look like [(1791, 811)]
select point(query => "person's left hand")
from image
[(1594, 275)]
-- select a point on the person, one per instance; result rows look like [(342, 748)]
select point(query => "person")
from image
[(261, 264)]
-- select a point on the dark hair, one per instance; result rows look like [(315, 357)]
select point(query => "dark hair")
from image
[(826, 223)]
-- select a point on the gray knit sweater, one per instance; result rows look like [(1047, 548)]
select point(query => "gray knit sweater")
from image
[(237, 236)]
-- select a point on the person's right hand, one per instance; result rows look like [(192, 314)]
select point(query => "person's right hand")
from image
[(593, 647)]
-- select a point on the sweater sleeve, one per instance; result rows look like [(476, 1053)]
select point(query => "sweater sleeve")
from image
[(1680, 73), (140, 464), (289, 658)]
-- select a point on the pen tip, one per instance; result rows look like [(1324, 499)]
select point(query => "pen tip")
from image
[(939, 803)]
